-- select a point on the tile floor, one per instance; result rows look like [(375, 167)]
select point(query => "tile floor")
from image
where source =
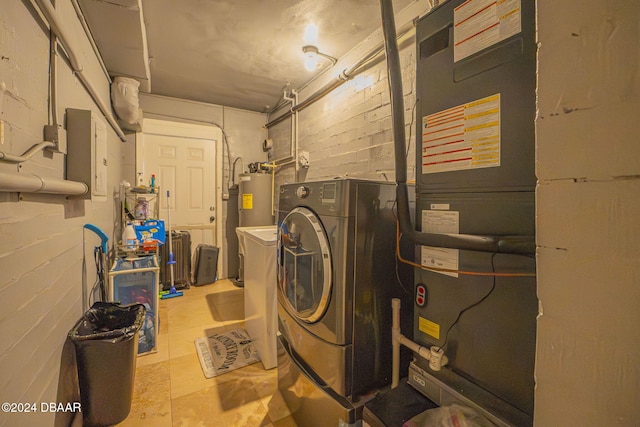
[(170, 388)]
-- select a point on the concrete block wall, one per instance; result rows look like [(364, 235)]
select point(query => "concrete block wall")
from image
[(42, 242), (348, 132), (588, 204)]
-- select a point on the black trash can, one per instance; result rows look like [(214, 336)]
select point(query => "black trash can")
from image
[(106, 343)]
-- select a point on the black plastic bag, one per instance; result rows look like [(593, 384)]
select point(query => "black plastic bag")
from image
[(109, 321)]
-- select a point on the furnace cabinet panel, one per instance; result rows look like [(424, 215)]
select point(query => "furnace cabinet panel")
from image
[(500, 76), (492, 345), (475, 159), (498, 213)]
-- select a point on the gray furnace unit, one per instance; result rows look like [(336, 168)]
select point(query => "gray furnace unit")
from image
[(476, 64)]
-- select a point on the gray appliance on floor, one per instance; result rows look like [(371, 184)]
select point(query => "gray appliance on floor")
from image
[(336, 277), (231, 223)]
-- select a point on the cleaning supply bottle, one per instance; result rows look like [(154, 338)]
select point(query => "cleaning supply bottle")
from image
[(141, 211), (153, 184), (129, 238)]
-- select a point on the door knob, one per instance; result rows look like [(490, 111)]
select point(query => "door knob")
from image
[(212, 218)]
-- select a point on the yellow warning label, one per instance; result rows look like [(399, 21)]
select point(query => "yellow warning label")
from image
[(491, 98), (454, 139), (247, 201), (429, 327)]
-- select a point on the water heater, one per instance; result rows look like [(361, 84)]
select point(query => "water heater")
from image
[(255, 205)]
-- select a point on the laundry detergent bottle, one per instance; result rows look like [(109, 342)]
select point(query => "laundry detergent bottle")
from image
[(129, 238)]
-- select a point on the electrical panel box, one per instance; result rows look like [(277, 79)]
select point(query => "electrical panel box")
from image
[(87, 151)]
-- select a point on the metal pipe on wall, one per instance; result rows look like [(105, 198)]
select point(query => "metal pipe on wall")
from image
[(56, 26), (273, 167), (53, 78), (29, 183), (296, 119), (293, 149), (11, 158), (293, 146)]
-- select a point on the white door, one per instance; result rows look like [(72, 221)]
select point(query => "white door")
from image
[(186, 161)]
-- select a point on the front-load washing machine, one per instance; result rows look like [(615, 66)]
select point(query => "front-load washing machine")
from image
[(337, 274)]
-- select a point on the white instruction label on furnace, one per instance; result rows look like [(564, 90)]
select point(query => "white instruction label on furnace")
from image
[(440, 258), (478, 24), (463, 137), (443, 222)]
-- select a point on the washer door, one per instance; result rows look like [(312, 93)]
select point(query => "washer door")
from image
[(304, 265)]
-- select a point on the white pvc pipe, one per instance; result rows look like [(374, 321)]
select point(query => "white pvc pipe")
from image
[(399, 339), (273, 167), (297, 136), (29, 183), (56, 26), (422, 351), (395, 333)]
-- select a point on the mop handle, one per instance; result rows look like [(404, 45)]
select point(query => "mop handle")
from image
[(171, 260), (169, 224)]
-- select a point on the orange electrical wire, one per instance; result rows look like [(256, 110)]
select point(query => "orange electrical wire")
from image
[(446, 270)]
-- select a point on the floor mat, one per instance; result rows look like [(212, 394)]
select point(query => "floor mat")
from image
[(222, 353)]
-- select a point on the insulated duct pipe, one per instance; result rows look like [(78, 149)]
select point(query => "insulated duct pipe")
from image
[(56, 26), (28, 183), (502, 244)]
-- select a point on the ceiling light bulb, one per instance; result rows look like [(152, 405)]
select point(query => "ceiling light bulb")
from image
[(310, 61), (311, 34)]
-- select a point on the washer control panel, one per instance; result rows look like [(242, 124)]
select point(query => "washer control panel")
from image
[(329, 193)]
